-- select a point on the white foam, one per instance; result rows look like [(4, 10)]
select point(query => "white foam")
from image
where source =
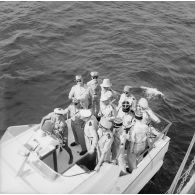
[(152, 92)]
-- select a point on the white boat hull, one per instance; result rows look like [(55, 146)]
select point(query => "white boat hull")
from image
[(106, 181)]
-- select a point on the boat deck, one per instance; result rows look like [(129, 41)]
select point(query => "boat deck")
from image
[(62, 157)]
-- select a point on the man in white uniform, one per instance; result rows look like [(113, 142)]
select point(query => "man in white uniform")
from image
[(90, 130), (107, 109), (104, 143), (80, 92), (94, 92), (121, 135)]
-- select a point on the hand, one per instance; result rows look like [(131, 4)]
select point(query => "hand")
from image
[(74, 99), (97, 168), (114, 162), (91, 151)]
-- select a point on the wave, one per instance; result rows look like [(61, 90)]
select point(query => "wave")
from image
[(152, 92)]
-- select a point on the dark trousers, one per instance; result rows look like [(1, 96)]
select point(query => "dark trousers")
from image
[(68, 150), (78, 132)]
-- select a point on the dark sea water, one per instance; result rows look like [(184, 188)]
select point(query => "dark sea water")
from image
[(152, 44)]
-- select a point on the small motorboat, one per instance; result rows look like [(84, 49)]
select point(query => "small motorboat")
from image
[(31, 162)]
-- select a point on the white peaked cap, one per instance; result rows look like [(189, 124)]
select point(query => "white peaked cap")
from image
[(84, 113), (94, 73), (127, 88), (106, 83), (78, 77)]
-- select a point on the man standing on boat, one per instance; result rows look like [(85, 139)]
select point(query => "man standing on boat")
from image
[(107, 108), (90, 129), (54, 124), (106, 88), (138, 139), (80, 92), (73, 113), (104, 143), (94, 92), (121, 135)]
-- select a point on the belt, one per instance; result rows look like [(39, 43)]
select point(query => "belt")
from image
[(139, 142)]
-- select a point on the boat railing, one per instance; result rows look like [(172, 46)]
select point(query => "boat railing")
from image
[(166, 128)]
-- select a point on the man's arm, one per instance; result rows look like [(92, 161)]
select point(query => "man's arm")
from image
[(95, 139), (71, 94), (47, 117), (153, 116)]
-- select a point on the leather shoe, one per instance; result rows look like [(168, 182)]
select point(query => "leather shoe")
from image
[(83, 152), (73, 144)]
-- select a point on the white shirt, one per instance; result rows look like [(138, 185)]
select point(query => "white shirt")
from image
[(90, 132), (126, 118), (139, 132), (80, 93), (108, 111)]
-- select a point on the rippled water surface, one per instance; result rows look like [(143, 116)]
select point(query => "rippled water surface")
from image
[(152, 44)]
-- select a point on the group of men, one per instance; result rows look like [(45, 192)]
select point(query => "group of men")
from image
[(100, 125)]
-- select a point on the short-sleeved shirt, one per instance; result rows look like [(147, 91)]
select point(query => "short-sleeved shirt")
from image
[(126, 118), (139, 132), (60, 129), (80, 93), (107, 111)]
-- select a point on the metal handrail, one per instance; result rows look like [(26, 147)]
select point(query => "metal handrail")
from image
[(166, 129)]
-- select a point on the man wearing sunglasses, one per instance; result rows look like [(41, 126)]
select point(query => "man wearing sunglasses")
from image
[(72, 112), (94, 92), (80, 92), (127, 96), (104, 143)]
